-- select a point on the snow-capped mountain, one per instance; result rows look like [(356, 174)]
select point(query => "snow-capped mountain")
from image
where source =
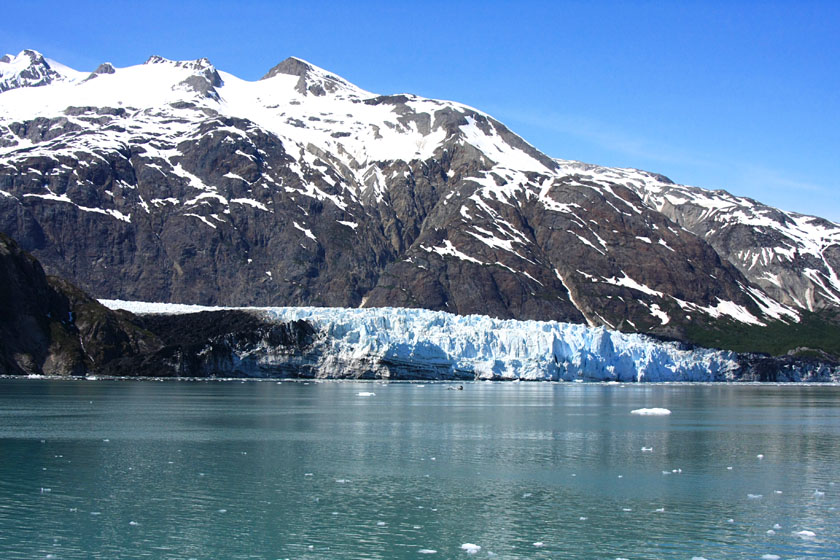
[(31, 69), (175, 181)]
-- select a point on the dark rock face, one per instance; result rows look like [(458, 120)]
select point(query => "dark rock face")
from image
[(50, 327), (221, 344), (47, 326)]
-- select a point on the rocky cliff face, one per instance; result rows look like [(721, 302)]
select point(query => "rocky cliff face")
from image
[(47, 326), (173, 181), (222, 344), (50, 327)]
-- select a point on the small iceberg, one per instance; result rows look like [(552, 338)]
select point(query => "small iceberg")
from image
[(366, 394), (470, 548), (651, 411), (426, 551), (805, 534)]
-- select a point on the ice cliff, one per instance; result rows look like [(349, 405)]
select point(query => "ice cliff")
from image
[(420, 344), (445, 345)]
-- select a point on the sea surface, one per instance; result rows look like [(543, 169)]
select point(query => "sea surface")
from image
[(231, 470)]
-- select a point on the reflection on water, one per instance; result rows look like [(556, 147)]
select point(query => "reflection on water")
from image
[(143, 469)]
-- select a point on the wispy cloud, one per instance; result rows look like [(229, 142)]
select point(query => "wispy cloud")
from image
[(772, 179), (608, 137), (769, 184)]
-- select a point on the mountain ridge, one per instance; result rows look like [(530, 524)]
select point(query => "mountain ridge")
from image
[(167, 176)]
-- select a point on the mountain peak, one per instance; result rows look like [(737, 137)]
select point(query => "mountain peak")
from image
[(311, 79), (197, 64), (28, 69), (204, 78), (292, 66)]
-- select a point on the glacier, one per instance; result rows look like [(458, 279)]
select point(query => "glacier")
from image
[(400, 343)]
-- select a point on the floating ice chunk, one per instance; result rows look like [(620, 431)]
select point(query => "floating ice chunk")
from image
[(818, 494), (366, 394), (651, 411), (647, 449), (380, 523), (770, 557), (660, 510), (805, 534), (755, 496), (729, 468), (777, 526), (539, 544), (426, 551), (760, 456), (527, 495), (222, 510), (626, 509), (341, 480), (106, 440), (470, 548), (771, 532), (730, 520), (133, 523), (697, 558), (582, 518), (308, 474)]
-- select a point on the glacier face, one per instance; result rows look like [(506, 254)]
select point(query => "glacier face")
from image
[(487, 348), (422, 344)]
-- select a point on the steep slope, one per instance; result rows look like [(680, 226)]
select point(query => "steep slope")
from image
[(173, 181), (792, 257), (47, 326)]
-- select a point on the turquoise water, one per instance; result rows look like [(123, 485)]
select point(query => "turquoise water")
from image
[(228, 470)]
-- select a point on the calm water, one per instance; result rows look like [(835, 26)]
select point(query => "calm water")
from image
[(227, 470)]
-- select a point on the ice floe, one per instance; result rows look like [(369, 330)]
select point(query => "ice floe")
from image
[(651, 412)]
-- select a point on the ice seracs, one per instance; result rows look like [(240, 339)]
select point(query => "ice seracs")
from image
[(417, 343)]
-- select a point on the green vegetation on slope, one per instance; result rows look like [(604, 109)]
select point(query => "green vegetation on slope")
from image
[(817, 335)]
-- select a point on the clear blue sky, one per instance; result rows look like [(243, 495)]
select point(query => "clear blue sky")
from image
[(743, 96)]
